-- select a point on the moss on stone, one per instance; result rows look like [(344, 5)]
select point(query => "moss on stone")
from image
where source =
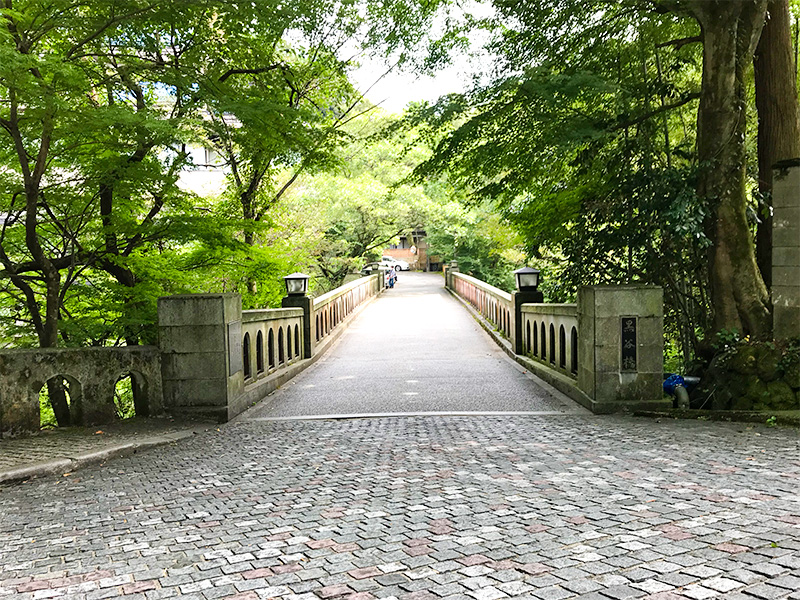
[(744, 360), (781, 396), (742, 403), (792, 371), (755, 389), (768, 363)]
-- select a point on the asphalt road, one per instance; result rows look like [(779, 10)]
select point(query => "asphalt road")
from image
[(414, 350)]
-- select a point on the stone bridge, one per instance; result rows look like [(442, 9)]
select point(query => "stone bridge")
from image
[(414, 350)]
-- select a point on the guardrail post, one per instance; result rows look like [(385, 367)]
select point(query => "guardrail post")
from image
[(786, 249), (517, 300), (306, 303), (621, 347)]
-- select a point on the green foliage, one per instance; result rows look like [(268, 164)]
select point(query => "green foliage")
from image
[(583, 146), (123, 398), (726, 340), (98, 103)]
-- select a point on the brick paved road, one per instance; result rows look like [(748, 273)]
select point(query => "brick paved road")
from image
[(474, 508)]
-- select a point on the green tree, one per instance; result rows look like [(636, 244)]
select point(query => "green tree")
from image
[(584, 136)]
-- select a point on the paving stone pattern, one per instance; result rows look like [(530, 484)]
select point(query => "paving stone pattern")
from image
[(74, 441), (422, 508)]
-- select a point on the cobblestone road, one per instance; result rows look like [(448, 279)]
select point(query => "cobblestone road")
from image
[(474, 508)]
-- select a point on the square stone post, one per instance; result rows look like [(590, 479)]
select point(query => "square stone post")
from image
[(309, 324), (453, 268), (786, 249), (518, 299), (621, 347), (200, 338)]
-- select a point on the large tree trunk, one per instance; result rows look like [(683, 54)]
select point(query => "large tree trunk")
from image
[(730, 32), (778, 118)]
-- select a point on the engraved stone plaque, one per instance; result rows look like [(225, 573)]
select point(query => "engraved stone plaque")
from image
[(628, 343), (235, 347)]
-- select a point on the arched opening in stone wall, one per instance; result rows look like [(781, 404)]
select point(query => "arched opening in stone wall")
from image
[(246, 356), (535, 339), (260, 352), (527, 348), (281, 355), (552, 344), (296, 340), (562, 348), (59, 402), (289, 342), (131, 396), (543, 341), (574, 348), (271, 349)]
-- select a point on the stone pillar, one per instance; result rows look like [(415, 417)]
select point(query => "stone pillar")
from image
[(786, 249), (518, 299), (621, 347), (453, 268), (309, 333), (200, 338)]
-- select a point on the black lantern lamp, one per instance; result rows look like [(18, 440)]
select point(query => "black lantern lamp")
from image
[(527, 279), (296, 284)]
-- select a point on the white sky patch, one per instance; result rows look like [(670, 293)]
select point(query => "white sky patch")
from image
[(395, 90)]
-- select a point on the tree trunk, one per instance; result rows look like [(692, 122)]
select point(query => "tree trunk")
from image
[(778, 118), (730, 32)]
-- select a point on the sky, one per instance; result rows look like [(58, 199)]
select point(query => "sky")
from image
[(396, 90)]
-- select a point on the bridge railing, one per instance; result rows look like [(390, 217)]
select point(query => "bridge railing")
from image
[(333, 308), (235, 358), (550, 335), (492, 303), (91, 375), (605, 352), (271, 339)]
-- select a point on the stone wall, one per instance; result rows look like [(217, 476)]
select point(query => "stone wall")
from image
[(786, 249), (200, 336), (92, 374)]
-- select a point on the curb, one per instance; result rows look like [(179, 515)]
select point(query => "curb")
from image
[(65, 464), (736, 416)]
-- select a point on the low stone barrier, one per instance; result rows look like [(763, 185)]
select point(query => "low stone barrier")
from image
[(213, 359), (605, 352), (92, 374)]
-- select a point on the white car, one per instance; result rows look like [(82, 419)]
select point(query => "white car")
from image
[(399, 265)]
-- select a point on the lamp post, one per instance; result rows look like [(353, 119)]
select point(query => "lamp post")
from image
[(296, 284), (527, 280), (297, 297)]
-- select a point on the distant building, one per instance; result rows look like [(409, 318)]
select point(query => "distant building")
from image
[(413, 248), (207, 177)]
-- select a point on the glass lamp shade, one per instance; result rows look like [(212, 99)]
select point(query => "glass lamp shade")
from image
[(527, 279), (296, 284)]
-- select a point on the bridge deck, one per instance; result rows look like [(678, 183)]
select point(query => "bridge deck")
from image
[(414, 350)]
